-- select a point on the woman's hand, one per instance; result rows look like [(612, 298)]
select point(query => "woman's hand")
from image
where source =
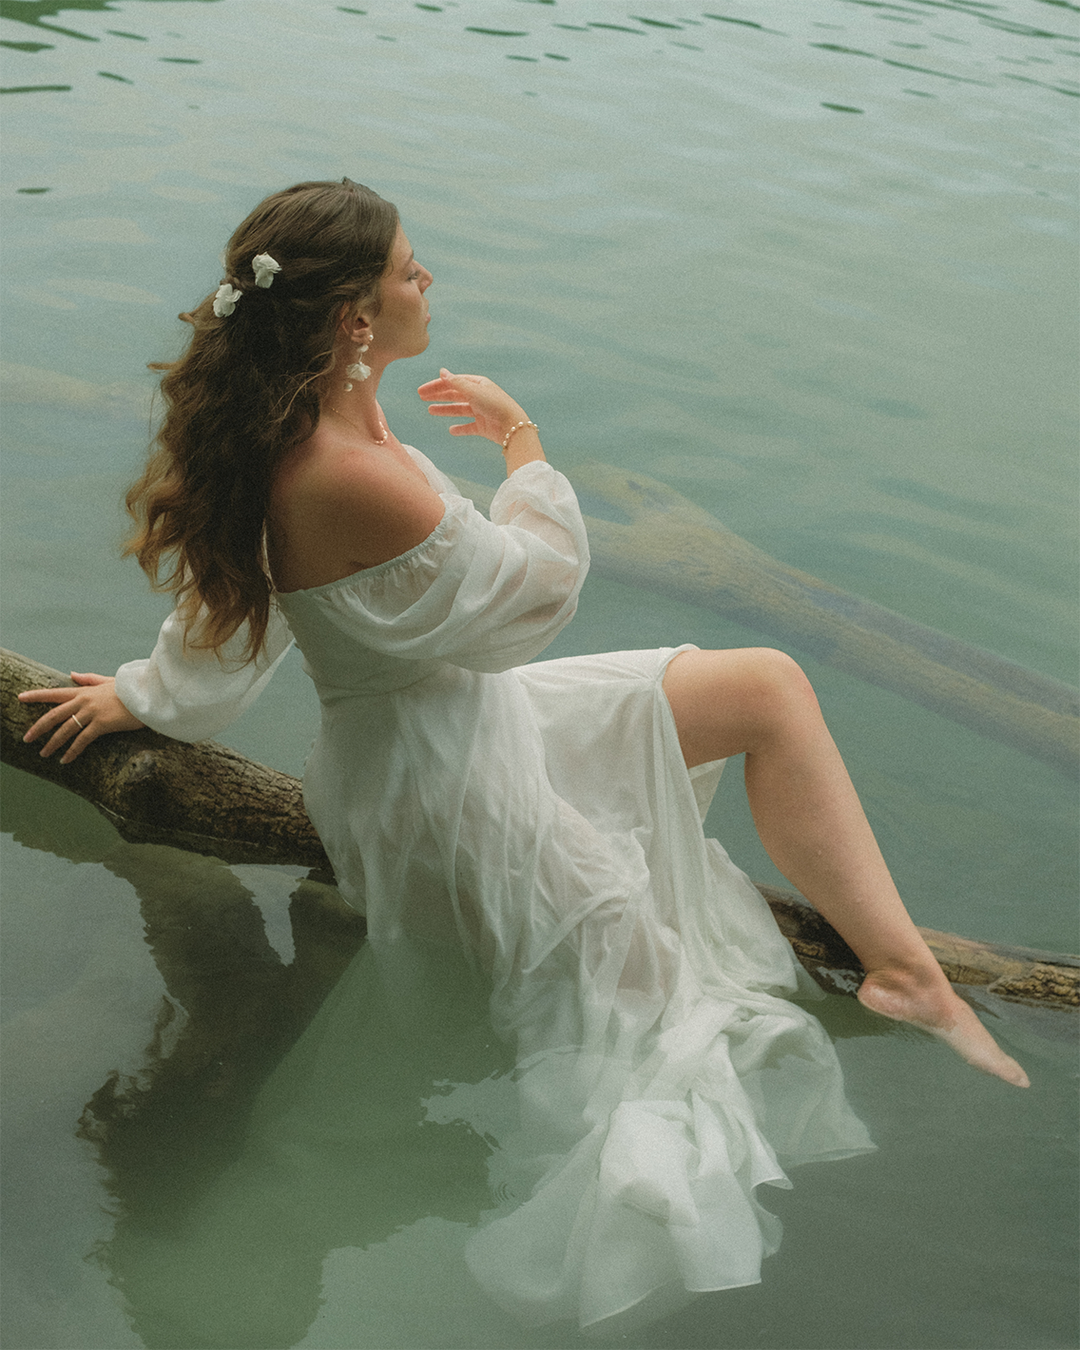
[(81, 715), (492, 409)]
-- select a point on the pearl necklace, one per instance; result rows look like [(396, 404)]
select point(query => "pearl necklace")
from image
[(378, 440)]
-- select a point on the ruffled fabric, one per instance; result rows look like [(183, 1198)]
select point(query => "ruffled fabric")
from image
[(663, 1072)]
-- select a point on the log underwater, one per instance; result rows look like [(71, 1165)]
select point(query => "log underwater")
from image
[(672, 546), (210, 800)]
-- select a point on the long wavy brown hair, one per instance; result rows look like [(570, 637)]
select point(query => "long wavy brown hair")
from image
[(243, 394)]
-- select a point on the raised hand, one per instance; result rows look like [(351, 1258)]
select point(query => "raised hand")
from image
[(492, 409), (82, 713)]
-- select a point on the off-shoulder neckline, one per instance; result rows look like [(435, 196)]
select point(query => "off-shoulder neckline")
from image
[(424, 464), (376, 568)]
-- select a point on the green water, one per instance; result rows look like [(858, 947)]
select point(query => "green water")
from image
[(812, 263)]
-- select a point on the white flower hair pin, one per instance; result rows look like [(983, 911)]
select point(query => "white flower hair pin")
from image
[(265, 267), (227, 295), (225, 300)]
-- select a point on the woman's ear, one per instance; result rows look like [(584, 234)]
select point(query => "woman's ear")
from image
[(355, 322)]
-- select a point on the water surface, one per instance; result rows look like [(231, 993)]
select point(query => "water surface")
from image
[(812, 265)]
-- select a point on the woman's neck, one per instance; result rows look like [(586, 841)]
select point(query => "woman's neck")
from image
[(357, 406)]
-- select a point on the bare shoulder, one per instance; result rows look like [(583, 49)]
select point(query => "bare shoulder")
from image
[(337, 508)]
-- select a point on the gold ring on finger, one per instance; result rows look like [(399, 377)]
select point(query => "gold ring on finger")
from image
[(77, 722)]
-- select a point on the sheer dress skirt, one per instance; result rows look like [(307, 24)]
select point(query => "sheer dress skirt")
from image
[(544, 818)]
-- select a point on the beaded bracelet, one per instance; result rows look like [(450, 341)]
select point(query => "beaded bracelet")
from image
[(517, 427)]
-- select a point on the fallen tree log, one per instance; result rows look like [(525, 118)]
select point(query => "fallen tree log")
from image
[(202, 797), (208, 799)]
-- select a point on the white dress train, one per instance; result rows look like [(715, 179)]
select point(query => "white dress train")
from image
[(543, 817)]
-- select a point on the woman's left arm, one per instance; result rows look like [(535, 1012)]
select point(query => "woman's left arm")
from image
[(495, 415)]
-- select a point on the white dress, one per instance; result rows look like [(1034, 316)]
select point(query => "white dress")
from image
[(543, 816)]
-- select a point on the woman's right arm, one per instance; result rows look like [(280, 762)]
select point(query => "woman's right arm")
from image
[(81, 714), (185, 692)]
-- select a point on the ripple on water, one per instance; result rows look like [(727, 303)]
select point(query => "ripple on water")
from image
[(808, 265)]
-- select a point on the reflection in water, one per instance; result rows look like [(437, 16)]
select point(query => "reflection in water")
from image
[(170, 1133), (235, 1166)]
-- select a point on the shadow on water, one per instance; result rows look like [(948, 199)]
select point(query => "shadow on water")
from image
[(277, 1113), (235, 1166)]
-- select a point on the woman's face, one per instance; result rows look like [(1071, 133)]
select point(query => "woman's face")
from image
[(400, 327)]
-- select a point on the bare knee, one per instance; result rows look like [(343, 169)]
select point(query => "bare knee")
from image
[(731, 702), (780, 682)]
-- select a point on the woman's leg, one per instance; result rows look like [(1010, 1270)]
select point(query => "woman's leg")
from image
[(757, 702)]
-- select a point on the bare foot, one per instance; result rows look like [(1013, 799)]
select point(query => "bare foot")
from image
[(942, 1012)]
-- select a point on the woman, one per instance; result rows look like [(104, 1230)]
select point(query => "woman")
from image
[(546, 816)]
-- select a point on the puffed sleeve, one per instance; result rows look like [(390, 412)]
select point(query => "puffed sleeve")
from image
[(194, 694), (485, 594)]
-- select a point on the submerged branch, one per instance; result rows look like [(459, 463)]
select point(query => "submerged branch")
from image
[(672, 546)]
